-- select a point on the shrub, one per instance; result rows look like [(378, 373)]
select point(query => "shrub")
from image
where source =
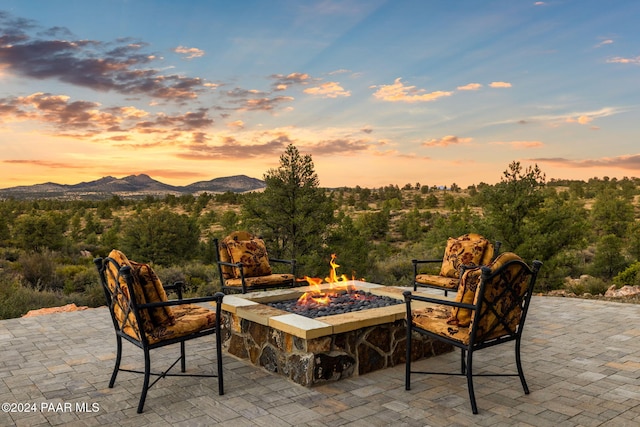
[(629, 276)]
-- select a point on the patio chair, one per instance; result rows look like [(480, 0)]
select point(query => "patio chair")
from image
[(143, 316), (468, 250), (490, 309), (244, 265)]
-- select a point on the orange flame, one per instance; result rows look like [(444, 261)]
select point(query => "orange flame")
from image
[(316, 295)]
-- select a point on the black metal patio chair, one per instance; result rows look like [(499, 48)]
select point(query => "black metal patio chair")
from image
[(490, 309), (143, 316)]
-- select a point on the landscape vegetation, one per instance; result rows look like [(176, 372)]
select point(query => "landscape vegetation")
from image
[(584, 230)]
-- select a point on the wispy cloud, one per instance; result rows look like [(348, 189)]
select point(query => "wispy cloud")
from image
[(189, 52), (445, 141), (519, 145), (470, 86), (500, 84), (630, 162), (328, 90), (398, 92), (623, 60), (283, 82), (604, 43)]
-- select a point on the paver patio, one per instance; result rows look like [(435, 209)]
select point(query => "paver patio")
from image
[(581, 360)]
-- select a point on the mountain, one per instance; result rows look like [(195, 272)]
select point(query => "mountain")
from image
[(131, 186)]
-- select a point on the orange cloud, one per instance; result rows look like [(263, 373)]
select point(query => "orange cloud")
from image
[(500, 84), (398, 92), (470, 86), (328, 90), (520, 144), (445, 141), (627, 162)]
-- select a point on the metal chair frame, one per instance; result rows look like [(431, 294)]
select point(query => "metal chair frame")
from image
[(244, 287), (133, 307), (475, 344)]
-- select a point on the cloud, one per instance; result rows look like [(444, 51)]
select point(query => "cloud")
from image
[(230, 148), (603, 43), (48, 164), (283, 82), (237, 124), (470, 86), (189, 52), (630, 162), (328, 90), (398, 92), (520, 144), (264, 104), (539, 3), (622, 60), (339, 146), (121, 66), (446, 141), (500, 84)]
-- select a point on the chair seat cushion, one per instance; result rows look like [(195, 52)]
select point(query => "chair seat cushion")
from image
[(435, 319), (439, 281), (189, 318), (272, 279)]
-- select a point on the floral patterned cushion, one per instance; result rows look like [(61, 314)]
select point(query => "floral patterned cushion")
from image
[(469, 284), (223, 251), (253, 256), (440, 281), (272, 279), (189, 318), (468, 249), (435, 319)]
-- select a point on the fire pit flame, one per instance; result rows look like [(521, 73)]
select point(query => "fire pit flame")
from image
[(316, 296)]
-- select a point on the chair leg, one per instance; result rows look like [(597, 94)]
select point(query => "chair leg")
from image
[(472, 395), (520, 370), (219, 361), (183, 360), (145, 384), (116, 367), (463, 363), (407, 373)]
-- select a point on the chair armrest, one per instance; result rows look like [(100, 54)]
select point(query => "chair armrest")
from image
[(291, 262), (408, 297), (217, 297), (176, 287)]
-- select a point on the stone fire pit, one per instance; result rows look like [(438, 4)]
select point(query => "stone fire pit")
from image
[(315, 351)]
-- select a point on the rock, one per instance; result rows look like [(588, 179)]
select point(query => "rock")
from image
[(625, 291), (49, 310)]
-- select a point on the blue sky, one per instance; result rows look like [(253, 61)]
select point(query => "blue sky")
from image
[(378, 92)]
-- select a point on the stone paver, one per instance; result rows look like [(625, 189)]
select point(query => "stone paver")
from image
[(581, 360)]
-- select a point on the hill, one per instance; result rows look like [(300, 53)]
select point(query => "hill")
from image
[(132, 186)]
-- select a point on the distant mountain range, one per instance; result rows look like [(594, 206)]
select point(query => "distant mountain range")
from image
[(131, 186)]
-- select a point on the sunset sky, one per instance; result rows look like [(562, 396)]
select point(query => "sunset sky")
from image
[(378, 91)]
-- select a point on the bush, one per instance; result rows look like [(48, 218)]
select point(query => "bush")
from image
[(39, 270), (630, 276), (588, 285)]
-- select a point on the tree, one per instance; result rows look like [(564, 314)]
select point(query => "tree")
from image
[(507, 204), (161, 236), (612, 213), (292, 213)]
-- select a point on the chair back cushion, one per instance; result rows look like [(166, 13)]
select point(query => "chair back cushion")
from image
[(147, 289), (252, 254), (467, 290), (505, 292), (225, 256), (468, 249)]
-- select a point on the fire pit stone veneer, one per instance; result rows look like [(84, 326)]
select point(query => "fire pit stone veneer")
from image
[(315, 351)]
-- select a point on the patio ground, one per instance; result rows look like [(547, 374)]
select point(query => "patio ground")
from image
[(581, 360)]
